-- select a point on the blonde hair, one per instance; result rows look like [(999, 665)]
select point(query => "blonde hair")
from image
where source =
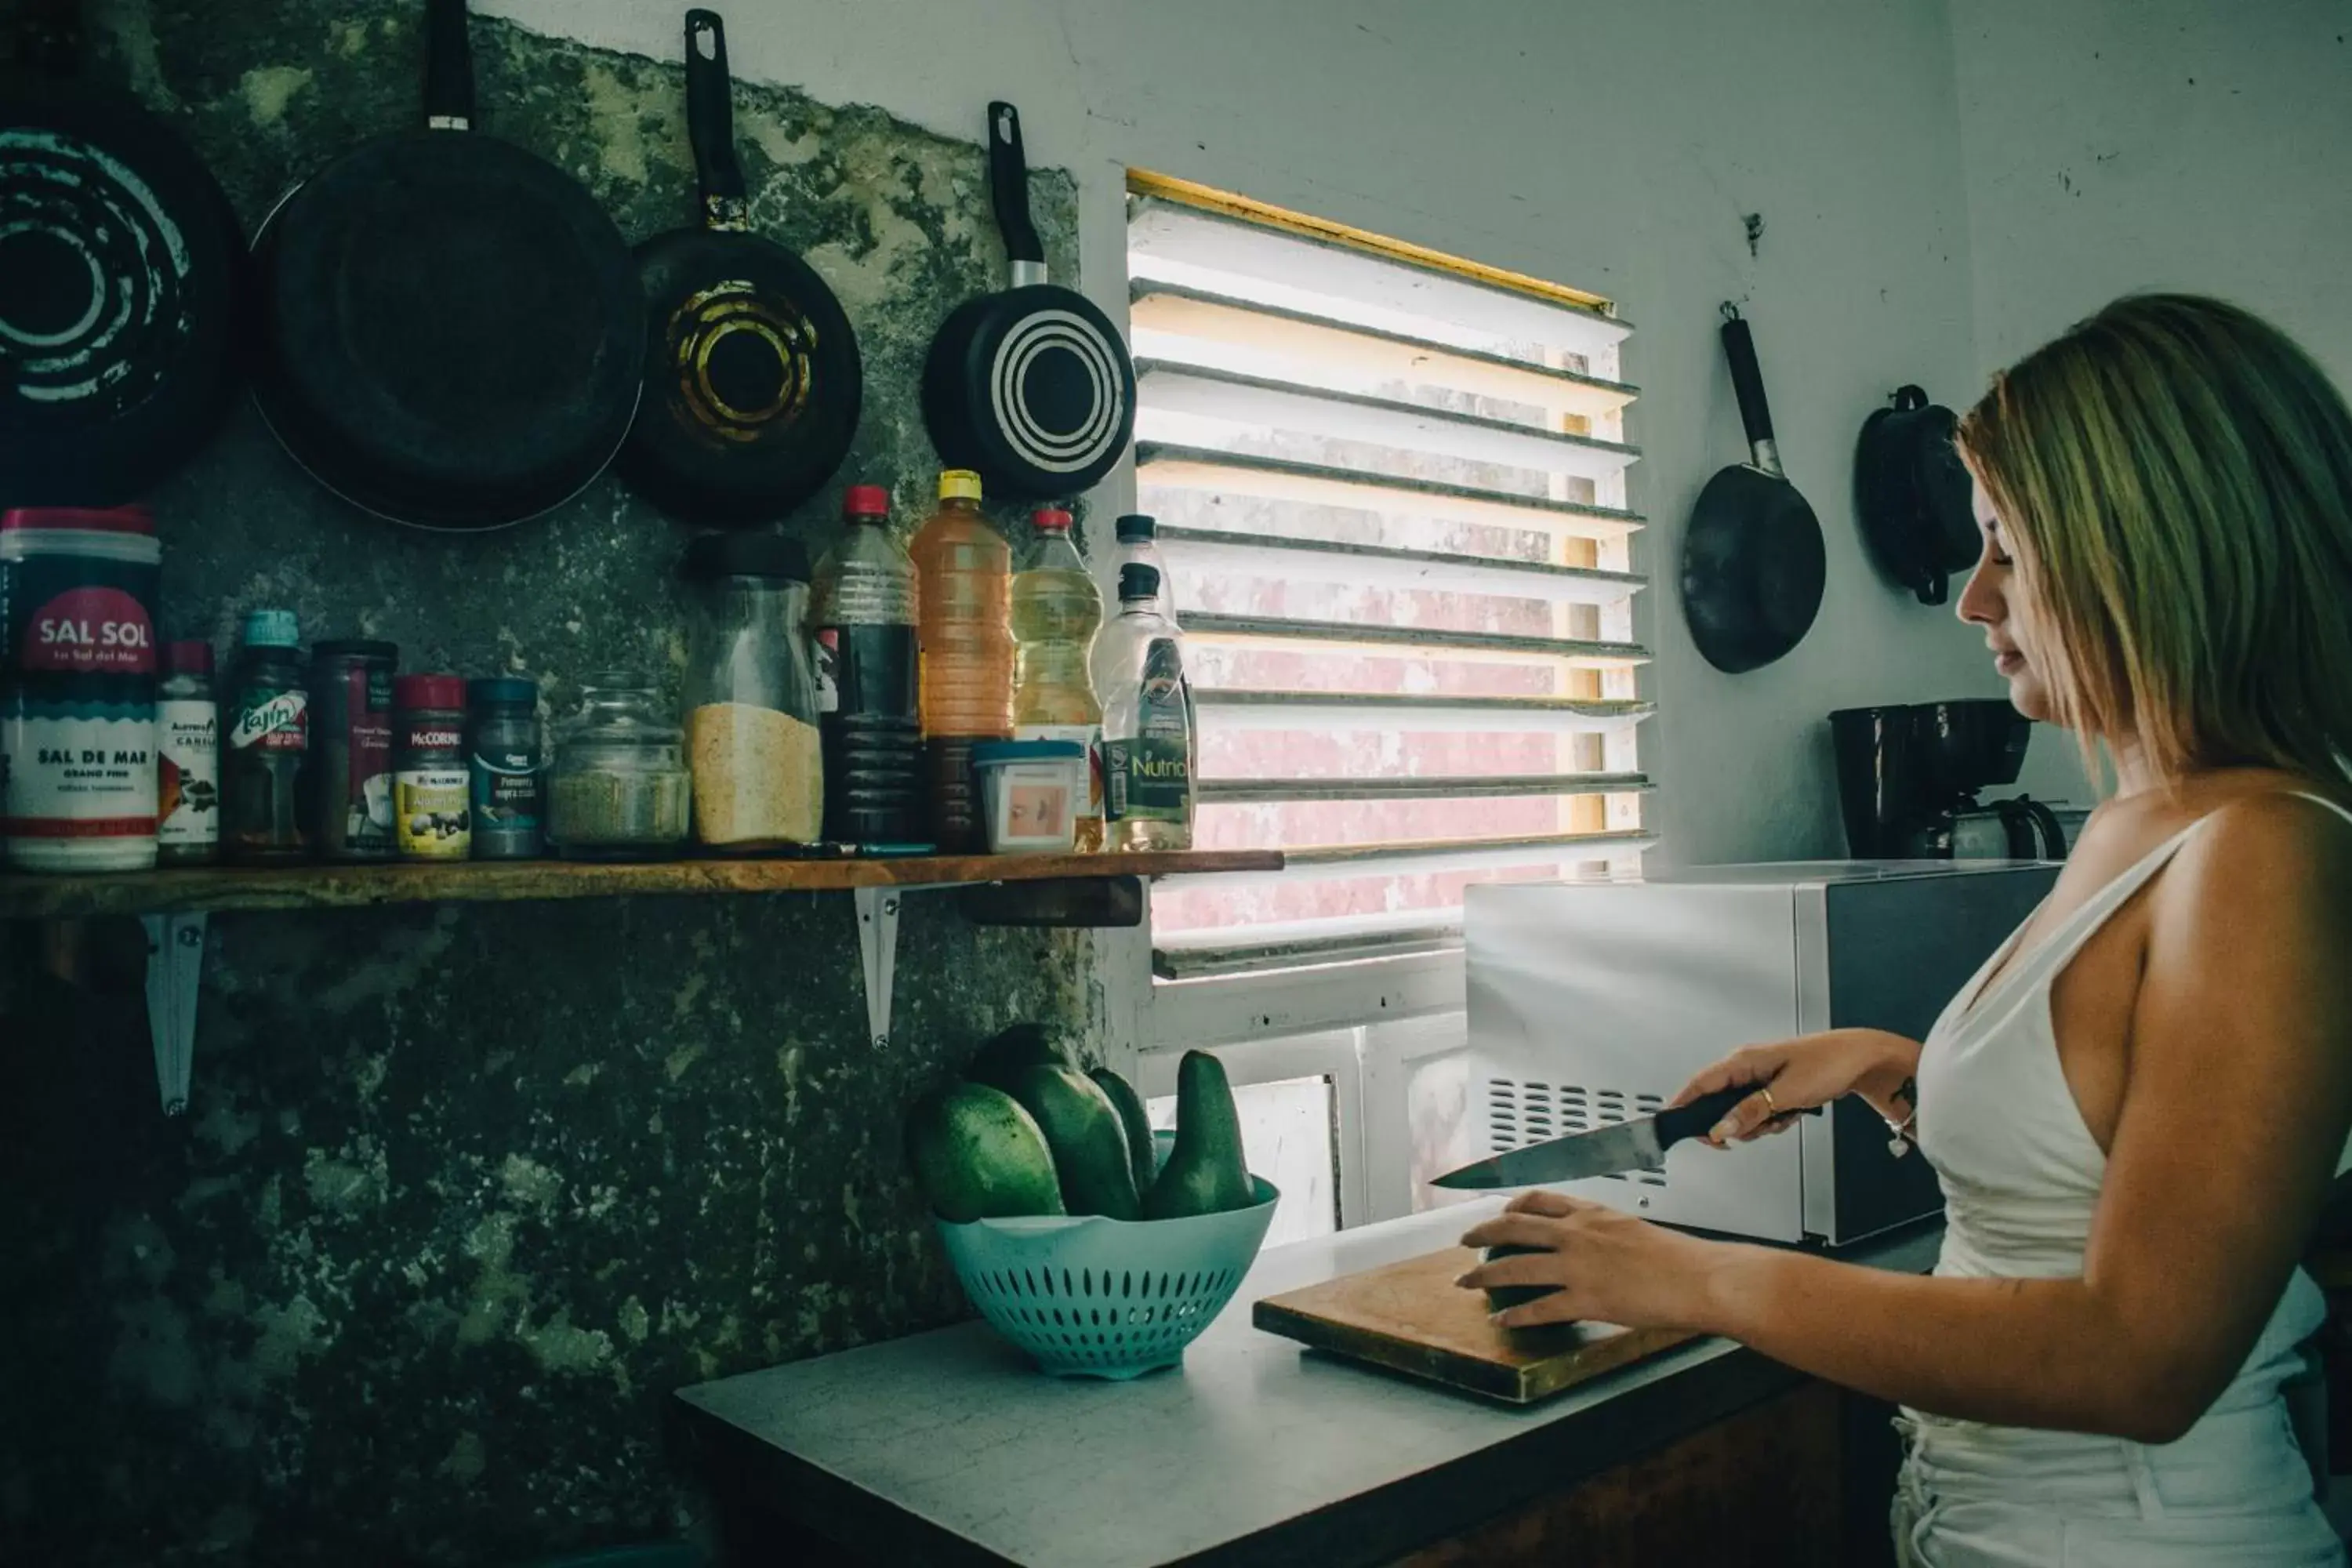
[(2174, 477)]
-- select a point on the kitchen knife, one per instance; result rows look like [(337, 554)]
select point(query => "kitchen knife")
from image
[(1640, 1144)]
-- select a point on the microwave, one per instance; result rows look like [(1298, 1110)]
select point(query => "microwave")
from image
[(1594, 1002)]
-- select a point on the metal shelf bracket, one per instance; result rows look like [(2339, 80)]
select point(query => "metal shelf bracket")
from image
[(176, 966), (877, 945)]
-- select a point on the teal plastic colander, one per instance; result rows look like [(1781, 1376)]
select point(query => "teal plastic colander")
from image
[(1090, 1297)]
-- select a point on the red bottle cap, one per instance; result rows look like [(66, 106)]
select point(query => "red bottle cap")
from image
[(1051, 519), (90, 520), (416, 693), (188, 658), (866, 501)]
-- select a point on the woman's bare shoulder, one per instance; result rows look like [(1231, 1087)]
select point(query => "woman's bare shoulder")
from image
[(2274, 850)]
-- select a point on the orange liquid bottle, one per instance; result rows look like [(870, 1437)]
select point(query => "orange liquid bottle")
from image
[(963, 582)]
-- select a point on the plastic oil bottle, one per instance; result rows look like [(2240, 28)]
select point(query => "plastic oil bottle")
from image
[(963, 576), (1056, 611), (866, 704), (1147, 706)]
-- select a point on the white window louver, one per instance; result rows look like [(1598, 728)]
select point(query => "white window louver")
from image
[(1390, 490)]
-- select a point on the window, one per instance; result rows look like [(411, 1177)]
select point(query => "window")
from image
[(1390, 491)]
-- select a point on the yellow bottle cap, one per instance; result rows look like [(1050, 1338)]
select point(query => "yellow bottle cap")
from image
[(959, 484)]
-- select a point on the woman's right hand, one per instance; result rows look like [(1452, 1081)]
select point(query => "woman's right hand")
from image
[(1803, 1073)]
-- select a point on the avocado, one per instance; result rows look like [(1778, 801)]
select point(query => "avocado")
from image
[(1089, 1146), (977, 1155), (1135, 1120), (1501, 1296), (1013, 1051), (1204, 1173)]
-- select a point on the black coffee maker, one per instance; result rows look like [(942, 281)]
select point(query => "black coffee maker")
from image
[(1908, 777)]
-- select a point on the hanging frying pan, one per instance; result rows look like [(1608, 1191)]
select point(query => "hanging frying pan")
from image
[(1911, 494), (451, 332), (124, 284), (1032, 387), (752, 381), (1753, 563)]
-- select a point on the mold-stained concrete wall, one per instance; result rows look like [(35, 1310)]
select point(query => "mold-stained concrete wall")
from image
[(463, 1193)]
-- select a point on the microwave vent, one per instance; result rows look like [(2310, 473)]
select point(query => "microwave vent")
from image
[(1521, 1111)]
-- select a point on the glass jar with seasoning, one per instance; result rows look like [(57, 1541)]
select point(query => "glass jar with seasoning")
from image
[(750, 694), (429, 786), (503, 763), (348, 780), (619, 789)]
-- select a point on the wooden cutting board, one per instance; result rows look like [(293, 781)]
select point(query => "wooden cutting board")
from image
[(1411, 1318)]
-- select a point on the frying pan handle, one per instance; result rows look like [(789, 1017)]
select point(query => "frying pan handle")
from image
[(710, 119), (1748, 385), (448, 67), (1008, 187)]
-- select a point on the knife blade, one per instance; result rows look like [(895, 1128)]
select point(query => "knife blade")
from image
[(1639, 1145)]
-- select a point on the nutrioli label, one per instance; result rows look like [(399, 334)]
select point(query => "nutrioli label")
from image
[(278, 722), (77, 770)]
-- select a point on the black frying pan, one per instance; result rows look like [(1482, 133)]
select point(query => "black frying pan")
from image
[(1753, 563), (122, 285), (1912, 494), (451, 332), (1032, 387), (752, 381)]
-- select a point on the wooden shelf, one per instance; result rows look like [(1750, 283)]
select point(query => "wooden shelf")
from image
[(214, 889)]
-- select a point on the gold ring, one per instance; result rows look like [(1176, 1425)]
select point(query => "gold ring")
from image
[(1771, 1108)]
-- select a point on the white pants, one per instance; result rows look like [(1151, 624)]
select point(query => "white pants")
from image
[(2235, 1493)]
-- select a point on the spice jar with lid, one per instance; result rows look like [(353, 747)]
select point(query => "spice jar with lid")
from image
[(509, 812), (430, 810), (619, 789), (348, 780), (751, 693)]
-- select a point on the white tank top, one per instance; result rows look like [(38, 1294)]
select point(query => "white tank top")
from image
[(2021, 1176)]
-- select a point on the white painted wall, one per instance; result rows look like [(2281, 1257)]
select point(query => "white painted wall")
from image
[(2115, 145)]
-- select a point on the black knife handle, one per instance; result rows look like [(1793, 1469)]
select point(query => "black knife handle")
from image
[(1698, 1119)]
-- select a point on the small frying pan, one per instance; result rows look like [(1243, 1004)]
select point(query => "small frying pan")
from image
[(124, 278), (1032, 387), (1912, 494), (752, 381), (451, 332), (1753, 562)]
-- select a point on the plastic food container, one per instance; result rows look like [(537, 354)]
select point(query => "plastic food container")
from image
[(1031, 792)]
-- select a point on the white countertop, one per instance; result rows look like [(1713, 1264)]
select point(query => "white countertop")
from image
[(957, 1428)]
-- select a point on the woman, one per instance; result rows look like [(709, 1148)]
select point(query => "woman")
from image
[(2136, 1108)]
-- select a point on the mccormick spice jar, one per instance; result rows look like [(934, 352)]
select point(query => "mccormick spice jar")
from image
[(350, 776), (503, 765), (78, 689), (268, 742), (430, 814), (187, 773)]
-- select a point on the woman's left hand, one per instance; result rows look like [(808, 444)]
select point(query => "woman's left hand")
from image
[(1606, 1264)]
